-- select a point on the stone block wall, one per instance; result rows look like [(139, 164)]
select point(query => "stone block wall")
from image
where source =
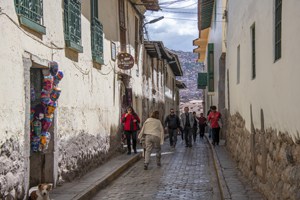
[(270, 159), (11, 169)]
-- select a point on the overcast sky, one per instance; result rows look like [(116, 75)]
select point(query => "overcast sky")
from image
[(178, 29)]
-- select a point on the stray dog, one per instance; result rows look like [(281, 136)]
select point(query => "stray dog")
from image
[(40, 192)]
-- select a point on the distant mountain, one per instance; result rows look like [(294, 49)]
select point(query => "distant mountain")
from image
[(190, 68)]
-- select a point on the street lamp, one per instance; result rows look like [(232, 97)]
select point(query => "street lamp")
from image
[(154, 20), (151, 22)]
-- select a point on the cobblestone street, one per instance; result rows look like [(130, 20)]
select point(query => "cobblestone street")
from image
[(186, 173)]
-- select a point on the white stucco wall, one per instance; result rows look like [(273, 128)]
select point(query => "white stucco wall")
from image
[(89, 105), (216, 37), (275, 88)]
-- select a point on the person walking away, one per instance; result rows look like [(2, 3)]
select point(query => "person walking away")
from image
[(187, 123), (130, 122), (202, 125), (172, 123), (209, 126), (195, 127), (213, 117), (153, 132)]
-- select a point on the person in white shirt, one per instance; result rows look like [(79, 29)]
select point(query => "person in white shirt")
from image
[(153, 132)]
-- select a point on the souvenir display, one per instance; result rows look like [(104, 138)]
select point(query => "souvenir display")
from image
[(44, 141), (41, 115), (53, 68), (48, 83), (55, 94), (58, 77), (46, 124), (35, 143)]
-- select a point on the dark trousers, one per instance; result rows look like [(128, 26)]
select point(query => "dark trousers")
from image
[(129, 135), (202, 130), (188, 132), (172, 136), (215, 135), (194, 133)]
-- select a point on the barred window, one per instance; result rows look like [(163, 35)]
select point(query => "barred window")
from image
[(72, 15), (30, 14), (96, 34)]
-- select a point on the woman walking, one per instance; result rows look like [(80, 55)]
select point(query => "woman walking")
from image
[(214, 117), (153, 132), (130, 122)]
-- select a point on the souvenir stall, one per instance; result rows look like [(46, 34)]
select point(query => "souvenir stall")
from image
[(44, 93)]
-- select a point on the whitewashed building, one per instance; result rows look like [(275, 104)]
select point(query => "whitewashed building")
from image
[(261, 88), (161, 90), (212, 52), (85, 39), (262, 93)]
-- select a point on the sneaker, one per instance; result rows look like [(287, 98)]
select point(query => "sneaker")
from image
[(128, 153), (145, 166), (159, 164), (135, 151)]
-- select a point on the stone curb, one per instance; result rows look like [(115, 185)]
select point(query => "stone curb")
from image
[(102, 183), (225, 194)]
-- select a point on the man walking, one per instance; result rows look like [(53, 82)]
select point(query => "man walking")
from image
[(202, 125), (187, 122), (172, 123), (195, 127)]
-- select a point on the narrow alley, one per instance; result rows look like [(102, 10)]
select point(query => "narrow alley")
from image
[(186, 173)]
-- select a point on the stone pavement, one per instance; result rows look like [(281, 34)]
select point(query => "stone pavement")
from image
[(186, 173)]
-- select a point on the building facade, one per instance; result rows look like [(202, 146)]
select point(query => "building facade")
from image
[(161, 91), (257, 87), (263, 133), (212, 52), (86, 41)]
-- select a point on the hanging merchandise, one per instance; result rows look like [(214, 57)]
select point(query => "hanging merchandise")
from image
[(44, 141), (41, 116), (51, 107), (48, 83), (46, 123), (55, 94), (35, 143), (53, 68), (45, 97), (39, 111), (58, 77), (37, 127)]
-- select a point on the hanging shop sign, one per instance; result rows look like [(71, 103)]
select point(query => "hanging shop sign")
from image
[(125, 61)]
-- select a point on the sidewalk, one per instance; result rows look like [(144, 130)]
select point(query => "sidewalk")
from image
[(231, 182), (91, 183), (232, 185)]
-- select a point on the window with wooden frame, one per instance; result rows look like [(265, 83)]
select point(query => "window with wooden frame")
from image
[(96, 34), (30, 13), (278, 19), (72, 16), (122, 21)]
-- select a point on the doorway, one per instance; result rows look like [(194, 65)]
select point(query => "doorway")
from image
[(41, 162)]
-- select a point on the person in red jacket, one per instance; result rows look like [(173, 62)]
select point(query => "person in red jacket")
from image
[(130, 122), (214, 117)]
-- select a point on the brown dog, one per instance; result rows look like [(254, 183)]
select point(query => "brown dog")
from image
[(40, 192)]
